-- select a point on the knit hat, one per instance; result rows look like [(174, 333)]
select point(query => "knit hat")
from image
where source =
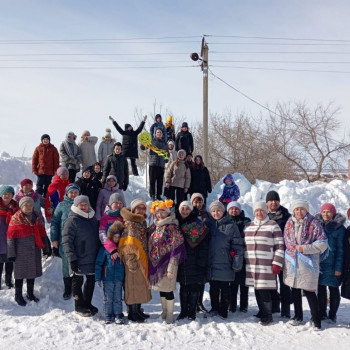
[(115, 197), (170, 119), (184, 125), (171, 142), (81, 199), (158, 116), (218, 205), (135, 203), (45, 136), (299, 203), (88, 168), (186, 203), (330, 207), (26, 182), (7, 189), (196, 195), (26, 200), (260, 205), (61, 170), (111, 177), (72, 187), (181, 151), (108, 133), (272, 196), (234, 204)]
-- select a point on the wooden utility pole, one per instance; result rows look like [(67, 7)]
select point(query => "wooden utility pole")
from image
[(204, 54)]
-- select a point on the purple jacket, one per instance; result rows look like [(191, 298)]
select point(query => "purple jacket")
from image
[(103, 199), (231, 192)]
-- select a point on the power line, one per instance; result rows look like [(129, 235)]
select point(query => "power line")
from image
[(94, 54), (96, 42), (279, 61), (280, 44), (80, 68), (283, 52)]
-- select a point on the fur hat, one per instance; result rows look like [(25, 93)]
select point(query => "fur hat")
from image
[(7, 189), (115, 197), (299, 203), (234, 204), (45, 136), (81, 199), (72, 187), (61, 170), (218, 205), (116, 228), (196, 195), (186, 204), (272, 196), (136, 202), (25, 200), (171, 142), (260, 205), (26, 182), (330, 207)]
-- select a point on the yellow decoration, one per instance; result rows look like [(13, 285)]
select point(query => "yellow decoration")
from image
[(168, 203), (146, 140)]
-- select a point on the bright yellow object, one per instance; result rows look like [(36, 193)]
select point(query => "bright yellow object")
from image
[(168, 203), (146, 140)]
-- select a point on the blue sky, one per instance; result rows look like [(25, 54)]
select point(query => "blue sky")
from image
[(56, 100)]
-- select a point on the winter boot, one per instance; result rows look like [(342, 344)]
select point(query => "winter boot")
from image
[(233, 297), (19, 297), (169, 318), (243, 299), (140, 311), (163, 302), (183, 304), (30, 291), (276, 299), (67, 288), (88, 291), (266, 313), (285, 310), (133, 315), (8, 275), (192, 304), (200, 306), (80, 309)]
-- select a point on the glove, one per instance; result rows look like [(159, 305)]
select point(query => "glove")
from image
[(145, 118), (232, 253), (276, 269), (13, 259), (111, 119), (56, 252), (99, 283), (74, 266)]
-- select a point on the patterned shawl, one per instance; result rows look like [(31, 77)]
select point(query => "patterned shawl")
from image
[(166, 242), (21, 227), (8, 210)]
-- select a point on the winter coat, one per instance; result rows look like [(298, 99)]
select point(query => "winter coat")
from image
[(301, 270), (133, 250), (193, 270), (335, 232), (39, 200), (224, 238), (178, 174), (200, 181), (241, 221), (103, 199), (23, 237), (45, 160), (104, 150), (6, 212), (231, 192), (345, 288), (158, 125), (154, 158), (117, 165), (172, 157), (108, 269), (80, 239), (184, 140), (70, 155), (129, 142), (280, 216), (87, 151), (170, 133), (264, 247), (55, 194), (109, 217), (89, 188)]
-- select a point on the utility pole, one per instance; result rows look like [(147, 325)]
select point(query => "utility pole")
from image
[(204, 54)]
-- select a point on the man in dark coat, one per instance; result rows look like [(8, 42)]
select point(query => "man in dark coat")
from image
[(184, 139), (279, 214), (129, 142), (117, 165)]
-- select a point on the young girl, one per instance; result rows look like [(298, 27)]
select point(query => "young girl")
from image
[(97, 172), (110, 270), (230, 192), (166, 252)]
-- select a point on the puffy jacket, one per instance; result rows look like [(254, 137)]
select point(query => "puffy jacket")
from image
[(280, 216), (200, 181), (184, 140), (104, 150), (178, 174), (89, 188), (87, 151), (117, 165), (45, 160), (108, 269), (154, 158)]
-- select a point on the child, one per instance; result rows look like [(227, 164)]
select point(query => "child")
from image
[(170, 128), (97, 172), (158, 124), (111, 272), (231, 191)]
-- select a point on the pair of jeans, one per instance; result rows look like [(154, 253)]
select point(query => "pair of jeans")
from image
[(113, 297)]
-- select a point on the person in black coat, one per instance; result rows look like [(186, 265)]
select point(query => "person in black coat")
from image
[(200, 178), (192, 272), (117, 165), (81, 243), (89, 187), (279, 214), (238, 217), (129, 142), (345, 288), (184, 139)]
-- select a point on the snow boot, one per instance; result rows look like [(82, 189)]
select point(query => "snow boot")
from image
[(285, 310), (133, 315), (140, 311), (200, 306), (19, 297), (183, 304), (88, 291), (192, 304), (266, 313), (163, 302), (8, 275), (233, 297), (67, 288), (169, 318), (80, 309), (30, 291)]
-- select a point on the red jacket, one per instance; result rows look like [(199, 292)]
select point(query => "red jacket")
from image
[(45, 160)]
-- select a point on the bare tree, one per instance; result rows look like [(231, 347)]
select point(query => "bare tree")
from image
[(306, 137)]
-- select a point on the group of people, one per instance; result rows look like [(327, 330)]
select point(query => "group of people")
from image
[(100, 239)]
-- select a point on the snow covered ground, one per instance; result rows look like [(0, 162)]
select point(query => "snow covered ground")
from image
[(52, 324)]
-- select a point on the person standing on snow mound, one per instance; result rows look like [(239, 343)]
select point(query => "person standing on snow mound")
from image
[(106, 147), (230, 192), (184, 139), (158, 125), (129, 142), (170, 129), (87, 149), (70, 155), (45, 162)]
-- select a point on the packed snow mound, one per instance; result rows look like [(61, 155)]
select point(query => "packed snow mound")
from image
[(14, 170)]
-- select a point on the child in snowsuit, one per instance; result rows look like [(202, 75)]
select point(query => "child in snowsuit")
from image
[(231, 191)]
